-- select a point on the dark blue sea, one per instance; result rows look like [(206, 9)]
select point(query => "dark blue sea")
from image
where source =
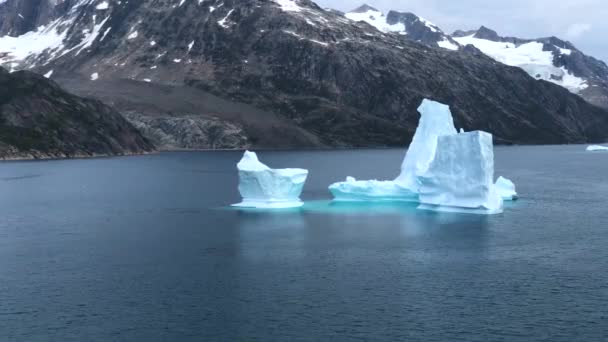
[(146, 249)]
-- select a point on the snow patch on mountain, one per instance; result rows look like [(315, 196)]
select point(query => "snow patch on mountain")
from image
[(13, 50), (222, 22), (288, 5), (446, 44), (377, 19), (102, 6), (530, 57)]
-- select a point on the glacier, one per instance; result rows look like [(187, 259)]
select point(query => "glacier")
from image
[(595, 148), (506, 189), (266, 188), (461, 176)]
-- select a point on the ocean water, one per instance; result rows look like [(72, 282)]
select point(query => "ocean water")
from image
[(146, 249)]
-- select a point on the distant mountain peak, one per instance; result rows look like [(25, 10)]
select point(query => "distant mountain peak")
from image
[(486, 33), (364, 8)]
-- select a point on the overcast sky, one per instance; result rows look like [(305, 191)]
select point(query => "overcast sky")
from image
[(583, 22)]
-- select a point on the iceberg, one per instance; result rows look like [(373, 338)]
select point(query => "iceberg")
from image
[(435, 120), (263, 187), (595, 148), (461, 176), (506, 189)]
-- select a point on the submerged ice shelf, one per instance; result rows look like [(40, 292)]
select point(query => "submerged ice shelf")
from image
[(371, 191), (263, 187)]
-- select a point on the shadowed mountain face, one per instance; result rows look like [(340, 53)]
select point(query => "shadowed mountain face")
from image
[(288, 73), (40, 120)]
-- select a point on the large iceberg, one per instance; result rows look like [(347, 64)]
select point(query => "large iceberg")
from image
[(461, 176), (594, 148), (435, 120), (442, 170), (506, 189), (263, 187)]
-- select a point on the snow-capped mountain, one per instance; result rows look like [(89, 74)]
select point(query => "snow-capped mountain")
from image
[(407, 24), (283, 73), (549, 59)]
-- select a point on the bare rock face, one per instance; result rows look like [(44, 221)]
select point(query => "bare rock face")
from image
[(303, 76), (189, 132), (40, 120)]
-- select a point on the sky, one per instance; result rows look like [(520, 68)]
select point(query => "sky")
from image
[(582, 22)]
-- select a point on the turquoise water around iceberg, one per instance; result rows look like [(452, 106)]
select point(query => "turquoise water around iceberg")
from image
[(143, 248)]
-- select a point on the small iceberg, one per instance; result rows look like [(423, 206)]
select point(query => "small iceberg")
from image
[(461, 176), (506, 189), (595, 148), (266, 188)]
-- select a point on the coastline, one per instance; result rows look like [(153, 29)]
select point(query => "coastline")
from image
[(46, 157), (33, 157)]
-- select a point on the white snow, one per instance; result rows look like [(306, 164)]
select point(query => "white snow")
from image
[(304, 38), (152, 43), (506, 189), (89, 38), (530, 57), (288, 5), (94, 76), (222, 22), (177, 60), (49, 74), (20, 16), (147, 80), (190, 45), (460, 177), (133, 35), (153, 67), (263, 187), (377, 19), (595, 148), (181, 2), (102, 6), (16, 49), (446, 44), (105, 34)]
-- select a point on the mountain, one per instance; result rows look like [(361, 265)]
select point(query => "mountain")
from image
[(284, 73), (40, 120), (550, 59), (406, 24)]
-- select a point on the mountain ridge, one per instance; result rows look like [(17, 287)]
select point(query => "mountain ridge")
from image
[(330, 80)]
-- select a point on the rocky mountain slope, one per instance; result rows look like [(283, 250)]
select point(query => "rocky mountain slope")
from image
[(40, 120), (287, 73), (550, 59)]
